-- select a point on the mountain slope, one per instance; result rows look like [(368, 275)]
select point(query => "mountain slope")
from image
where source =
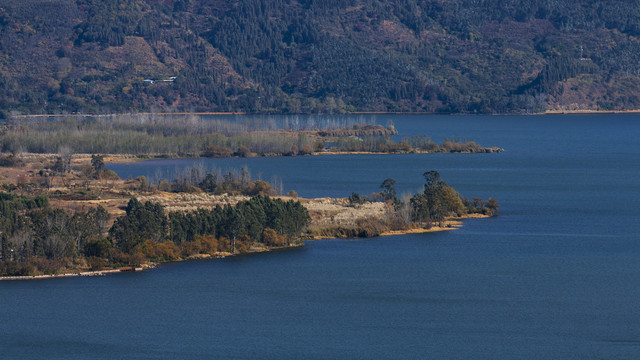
[(310, 56)]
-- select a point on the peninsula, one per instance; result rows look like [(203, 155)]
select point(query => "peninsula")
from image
[(66, 217), (145, 136)]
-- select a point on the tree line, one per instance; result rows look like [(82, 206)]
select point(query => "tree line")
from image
[(431, 207), (37, 239), (195, 137)]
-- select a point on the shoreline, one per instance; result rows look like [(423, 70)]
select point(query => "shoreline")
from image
[(487, 150), (131, 158), (146, 266), (129, 114), (588, 112), (72, 274), (450, 224), (546, 112)]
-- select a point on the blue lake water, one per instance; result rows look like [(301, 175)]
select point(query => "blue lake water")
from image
[(556, 275)]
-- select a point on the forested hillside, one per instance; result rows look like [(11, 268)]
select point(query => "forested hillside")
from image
[(286, 56)]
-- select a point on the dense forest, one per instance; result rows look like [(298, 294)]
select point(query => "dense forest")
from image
[(305, 56), (36, 238)]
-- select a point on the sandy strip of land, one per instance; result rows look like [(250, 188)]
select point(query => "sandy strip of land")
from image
[(83, 273), (127, 114), (146, 266), (553, 112), (449, 224)]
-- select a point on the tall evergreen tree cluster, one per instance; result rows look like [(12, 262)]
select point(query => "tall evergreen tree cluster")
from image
[(35, 238)]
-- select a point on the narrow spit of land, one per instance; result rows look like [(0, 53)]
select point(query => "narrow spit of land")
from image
[(160, 136)]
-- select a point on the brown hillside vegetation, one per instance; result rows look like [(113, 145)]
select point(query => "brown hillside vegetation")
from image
[(264, 56)]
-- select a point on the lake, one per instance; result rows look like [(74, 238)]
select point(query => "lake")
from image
[(555, 275)]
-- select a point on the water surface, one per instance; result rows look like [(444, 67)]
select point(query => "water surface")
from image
[(556, 275)]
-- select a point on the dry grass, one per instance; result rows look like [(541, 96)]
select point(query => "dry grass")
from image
[(113, 195), (189, 202), (324, 211), (327, 212)]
